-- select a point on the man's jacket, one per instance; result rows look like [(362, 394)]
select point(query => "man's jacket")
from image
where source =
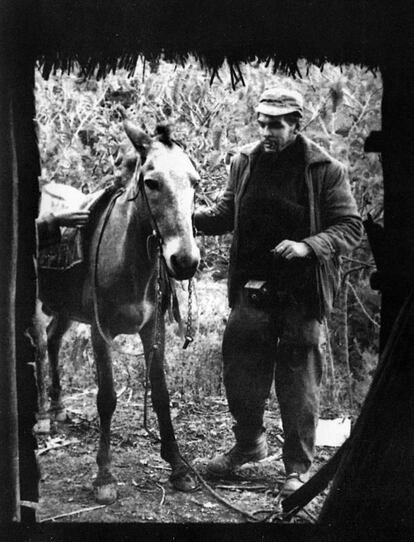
[(335, 225)]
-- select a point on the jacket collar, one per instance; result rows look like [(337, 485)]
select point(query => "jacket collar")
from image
[(313, 152)]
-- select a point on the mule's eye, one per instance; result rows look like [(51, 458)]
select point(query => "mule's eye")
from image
[(152, 184)]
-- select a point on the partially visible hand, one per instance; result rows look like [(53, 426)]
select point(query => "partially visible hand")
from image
[(73, 219), (292, 249)]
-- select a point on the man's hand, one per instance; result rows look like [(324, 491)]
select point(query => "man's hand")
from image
[(291, 249), (73, 219)]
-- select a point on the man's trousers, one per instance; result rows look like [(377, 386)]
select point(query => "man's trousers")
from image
[(285, 344)]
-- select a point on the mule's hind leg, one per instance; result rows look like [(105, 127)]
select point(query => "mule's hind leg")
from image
[(105, 484), (181, 477), (38, 333), (55, 331)]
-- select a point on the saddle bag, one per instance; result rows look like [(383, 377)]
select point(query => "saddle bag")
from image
[(69, 252), (64, 255)]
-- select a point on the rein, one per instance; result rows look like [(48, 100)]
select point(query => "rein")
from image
[(95, 271)]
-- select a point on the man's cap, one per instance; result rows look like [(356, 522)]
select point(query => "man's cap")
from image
[(280, 101)]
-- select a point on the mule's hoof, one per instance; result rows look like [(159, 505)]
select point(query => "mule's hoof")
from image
[(106, 494), (58, 411), (183, 479), (60, 415), (42, 426)]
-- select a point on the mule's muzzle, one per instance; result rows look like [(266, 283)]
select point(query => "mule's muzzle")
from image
[(183, 266)]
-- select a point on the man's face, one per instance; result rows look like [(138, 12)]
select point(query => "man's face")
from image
[(275, 132)]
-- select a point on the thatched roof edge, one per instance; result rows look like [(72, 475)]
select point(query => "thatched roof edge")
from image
[(102, 35)]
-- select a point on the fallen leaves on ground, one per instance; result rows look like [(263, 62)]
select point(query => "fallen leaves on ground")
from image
[(203, 428)]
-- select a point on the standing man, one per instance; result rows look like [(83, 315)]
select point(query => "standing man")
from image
[(290, 207)]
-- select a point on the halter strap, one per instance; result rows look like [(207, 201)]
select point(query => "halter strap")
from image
[(141, 188), (154, 225)]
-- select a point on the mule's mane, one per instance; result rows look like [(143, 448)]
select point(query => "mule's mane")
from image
[(163, 134)]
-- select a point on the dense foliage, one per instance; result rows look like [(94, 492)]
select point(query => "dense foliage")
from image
[(80, 131)]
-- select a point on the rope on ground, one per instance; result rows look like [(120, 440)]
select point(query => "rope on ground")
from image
[(218, 497), (272, 514), (242, 488)]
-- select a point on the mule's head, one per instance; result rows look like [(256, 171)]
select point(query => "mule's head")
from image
[(169, 179)]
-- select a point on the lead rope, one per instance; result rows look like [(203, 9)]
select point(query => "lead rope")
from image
[(189, 327), (157, 332), (155, 347), (156, 335), (188, 340)]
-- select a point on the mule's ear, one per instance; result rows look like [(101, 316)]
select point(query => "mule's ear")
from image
[(140, 140)]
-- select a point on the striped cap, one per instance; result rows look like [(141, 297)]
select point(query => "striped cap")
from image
[(280, 101)]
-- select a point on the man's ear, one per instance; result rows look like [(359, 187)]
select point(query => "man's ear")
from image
[(141, 141)]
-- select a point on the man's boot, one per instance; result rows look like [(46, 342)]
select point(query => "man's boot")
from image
[(227, 463)]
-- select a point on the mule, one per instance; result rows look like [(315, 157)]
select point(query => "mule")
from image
[(120, 287)]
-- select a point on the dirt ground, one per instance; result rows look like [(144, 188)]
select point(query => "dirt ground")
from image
[(67, 462)]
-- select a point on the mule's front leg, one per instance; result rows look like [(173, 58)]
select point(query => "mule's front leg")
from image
[(181, 477), (105, 484)]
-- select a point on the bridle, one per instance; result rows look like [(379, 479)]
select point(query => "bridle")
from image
[(156, 233), (162, 264)]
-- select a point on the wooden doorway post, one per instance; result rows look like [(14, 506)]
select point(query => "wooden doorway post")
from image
[(398, 167), (9, 457), (19, 194), (374, 484)]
